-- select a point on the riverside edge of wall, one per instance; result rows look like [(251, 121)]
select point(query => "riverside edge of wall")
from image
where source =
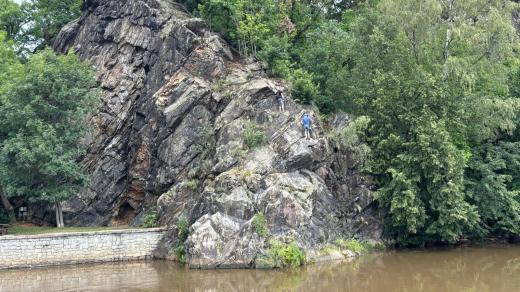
[(77, 248)]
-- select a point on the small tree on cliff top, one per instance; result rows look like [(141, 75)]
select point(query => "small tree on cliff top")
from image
[(43, 106)]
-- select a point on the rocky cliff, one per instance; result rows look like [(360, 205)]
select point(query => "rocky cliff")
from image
[(170, 138)]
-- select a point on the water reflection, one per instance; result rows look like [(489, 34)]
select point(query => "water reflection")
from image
[(464, 269)]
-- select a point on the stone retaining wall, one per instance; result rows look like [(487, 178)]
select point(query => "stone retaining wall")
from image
[(76, 248)]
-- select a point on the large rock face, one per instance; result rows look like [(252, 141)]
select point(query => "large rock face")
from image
[(169, 137)]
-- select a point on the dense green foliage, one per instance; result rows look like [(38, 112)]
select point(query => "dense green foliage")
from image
[(179, 250), (285, 254), (34, 24), (43, 105), (150, 220), (358, 246), (254, 135), (260, 224), (436, 82)]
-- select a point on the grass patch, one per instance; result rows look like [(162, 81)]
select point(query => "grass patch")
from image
[(218, 85), (180, 253), (254, 135), (35, 230), (286, 255), (358, 246), (260, 225), (329, 249), (179, 250), (190, 184), (150, 220), (182, 229)]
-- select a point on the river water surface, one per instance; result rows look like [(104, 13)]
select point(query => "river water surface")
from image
[(491, 268)]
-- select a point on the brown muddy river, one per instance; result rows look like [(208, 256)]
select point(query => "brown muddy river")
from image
[(491, 268)]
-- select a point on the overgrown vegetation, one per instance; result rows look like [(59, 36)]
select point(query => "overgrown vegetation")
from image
[(190, 184), (182, 229), (358, 246), (150, 220), (179, 250), (180, 253), (260, 224), (353, 138), (205, 140), (34, 25), (285, 254), (254, 135)]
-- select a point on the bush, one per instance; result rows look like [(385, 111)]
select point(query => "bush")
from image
[(180, 253), (286, 255), (150, 220), (260, 224), (182, 229), (190, 184), (205, 140), (254, 136), (326, 104), (179, 250), (357, 246), (275, 53), (352, 138), (303, 88)]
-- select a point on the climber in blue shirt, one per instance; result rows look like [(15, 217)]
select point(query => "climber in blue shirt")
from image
[(306, 123)]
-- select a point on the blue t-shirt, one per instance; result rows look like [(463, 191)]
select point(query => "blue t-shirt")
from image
[(306, 121)]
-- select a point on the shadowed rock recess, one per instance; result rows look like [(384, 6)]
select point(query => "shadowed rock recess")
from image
[(169, 138)]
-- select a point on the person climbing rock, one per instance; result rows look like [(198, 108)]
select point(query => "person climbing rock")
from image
[(306, 123), (280, 98)]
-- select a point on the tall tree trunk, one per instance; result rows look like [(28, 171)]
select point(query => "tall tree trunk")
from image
[(7, 206), (59, 215)]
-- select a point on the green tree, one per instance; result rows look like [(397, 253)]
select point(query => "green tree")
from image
[(9, 64), (493, 186), (42, 121), (246, 23), (49, 16), (35, 24), (11, 18), (433, 78), (15, 20)]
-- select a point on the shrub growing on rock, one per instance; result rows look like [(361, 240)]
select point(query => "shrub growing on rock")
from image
[(302, 87), (150, 220), (254, 135), (179, 250), (180, 253), (285, 254), (260, 224), (358, 246)]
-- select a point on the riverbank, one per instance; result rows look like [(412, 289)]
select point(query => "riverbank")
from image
[(28, 251)]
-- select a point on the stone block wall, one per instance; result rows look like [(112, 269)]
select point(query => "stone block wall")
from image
[(76, 248)]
